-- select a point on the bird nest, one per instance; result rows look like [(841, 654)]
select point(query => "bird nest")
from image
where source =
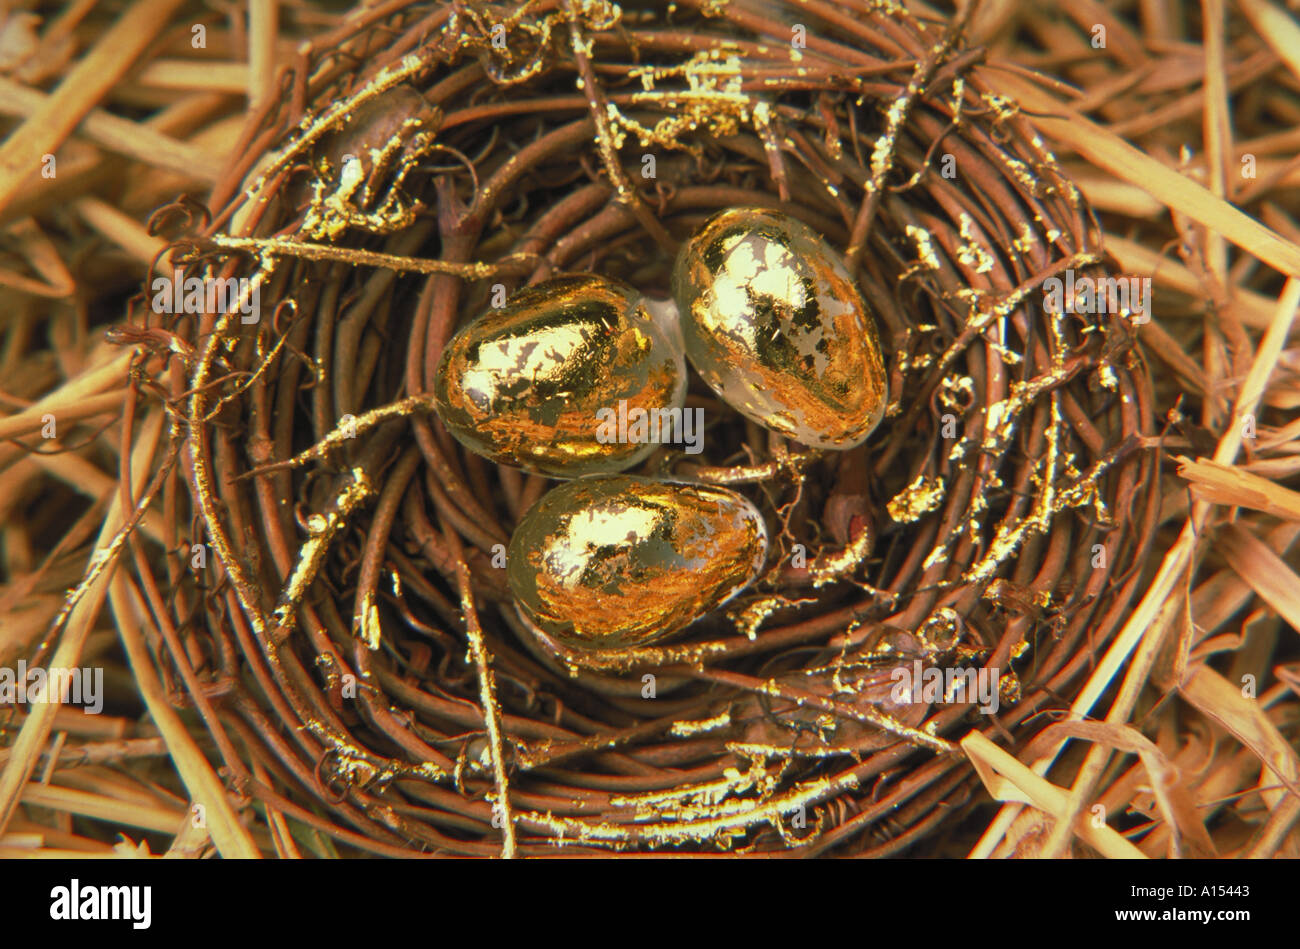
[(348, 636)]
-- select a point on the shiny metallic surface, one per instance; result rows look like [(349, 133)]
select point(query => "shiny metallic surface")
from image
[(617, 562), (776, 326), (522, 385)]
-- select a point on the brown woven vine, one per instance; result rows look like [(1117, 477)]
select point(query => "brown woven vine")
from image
[(338, 640)]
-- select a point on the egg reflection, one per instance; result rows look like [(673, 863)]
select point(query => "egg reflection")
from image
[(774, 323), (617, 562)]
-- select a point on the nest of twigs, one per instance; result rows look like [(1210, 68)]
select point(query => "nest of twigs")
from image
[(347, 636)]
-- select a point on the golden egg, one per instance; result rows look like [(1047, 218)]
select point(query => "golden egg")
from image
[(622, 561), (525, 384), (774, 323)]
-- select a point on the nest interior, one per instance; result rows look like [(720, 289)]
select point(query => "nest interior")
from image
[(350, 644)]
